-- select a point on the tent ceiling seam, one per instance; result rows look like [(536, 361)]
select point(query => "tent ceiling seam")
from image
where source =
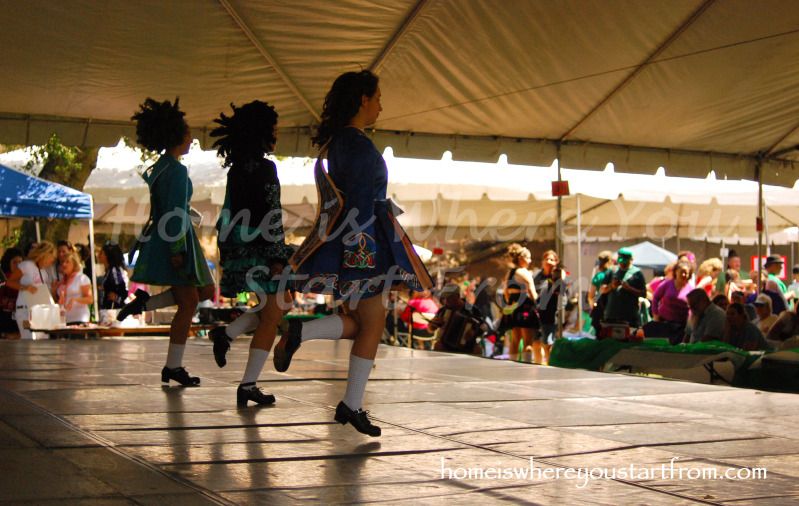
[(268, 57), (378, 62), (768, 151), (640, 67)]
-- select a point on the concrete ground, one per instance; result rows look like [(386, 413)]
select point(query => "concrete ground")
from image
[(87, 422)]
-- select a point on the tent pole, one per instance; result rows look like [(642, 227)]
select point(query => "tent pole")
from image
[(765, 227), (559, 249), (559, 227), (579, 266), (760, 284), (38, 231), (94, 266)]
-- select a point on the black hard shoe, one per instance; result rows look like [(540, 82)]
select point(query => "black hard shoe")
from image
[(252, 394), (180, 375), (287, 346), (357, 419), (221, 344), (136, 306)]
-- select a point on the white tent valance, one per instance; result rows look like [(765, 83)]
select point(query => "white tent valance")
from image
[(480, 201)]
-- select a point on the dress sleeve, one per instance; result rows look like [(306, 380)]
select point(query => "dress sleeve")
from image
[(360, 249), (177, 222)]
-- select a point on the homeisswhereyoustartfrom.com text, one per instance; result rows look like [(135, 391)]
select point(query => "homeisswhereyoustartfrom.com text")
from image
[(583, 476)]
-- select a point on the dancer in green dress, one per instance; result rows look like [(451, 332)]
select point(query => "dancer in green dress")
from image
[(252, 248), (169, 252)]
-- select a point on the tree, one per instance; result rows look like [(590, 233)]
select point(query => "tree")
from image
[(66, 165)]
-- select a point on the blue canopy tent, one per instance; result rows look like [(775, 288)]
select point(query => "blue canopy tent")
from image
[(24, 196), (646, 254)]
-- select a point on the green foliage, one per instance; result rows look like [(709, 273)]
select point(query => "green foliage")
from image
[(64, 160), (11, 239), (147, 157)]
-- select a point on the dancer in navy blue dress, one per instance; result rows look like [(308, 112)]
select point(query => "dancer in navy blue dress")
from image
[(364, 252)]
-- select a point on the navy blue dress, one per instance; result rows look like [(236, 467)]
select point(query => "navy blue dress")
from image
[(367, 249)]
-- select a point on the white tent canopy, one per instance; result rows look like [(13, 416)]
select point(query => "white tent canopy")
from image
[(689, 85), (479, 200)]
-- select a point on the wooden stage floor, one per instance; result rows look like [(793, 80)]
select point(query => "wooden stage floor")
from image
[(87, 422)]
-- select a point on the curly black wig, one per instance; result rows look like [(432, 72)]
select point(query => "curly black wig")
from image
[(247, 135), (160, 125), (343, 102)]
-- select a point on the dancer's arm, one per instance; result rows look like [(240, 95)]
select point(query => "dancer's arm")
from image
[(176, 221)]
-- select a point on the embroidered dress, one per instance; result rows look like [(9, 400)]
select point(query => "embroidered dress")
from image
[(170, 231), (367, 248), (251, 239)]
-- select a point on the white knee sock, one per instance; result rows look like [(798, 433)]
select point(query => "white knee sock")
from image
[(255, 364), (246, 322), (174, 355), (329, 327), (163, 299), (356, 381)]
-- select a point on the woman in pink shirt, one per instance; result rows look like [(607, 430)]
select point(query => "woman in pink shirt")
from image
[(670, 303), (420, 302)]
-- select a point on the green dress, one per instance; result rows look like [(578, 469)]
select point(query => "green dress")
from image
[(171, 231)]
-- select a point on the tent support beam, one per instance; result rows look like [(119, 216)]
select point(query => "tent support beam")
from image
[(378, 62), (592, 208), (269, 58), (668, 42), (94, 266)]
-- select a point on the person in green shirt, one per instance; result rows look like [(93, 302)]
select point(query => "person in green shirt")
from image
[(627, 286), (599, 288), (773, 267)]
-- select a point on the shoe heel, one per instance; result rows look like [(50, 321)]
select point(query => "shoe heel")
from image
[(241, 400), (341, 418), (164, 377)]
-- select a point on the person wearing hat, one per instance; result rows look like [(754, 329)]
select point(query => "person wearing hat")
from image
[(627, 286), (773, 267), (765, 317)]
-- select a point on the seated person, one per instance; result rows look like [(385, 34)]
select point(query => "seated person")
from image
[(420, 302), (707, 320), (742, 333), (765, 318), (778, 302), (786, 326), (739, 297), (721, 301), (458, 325)]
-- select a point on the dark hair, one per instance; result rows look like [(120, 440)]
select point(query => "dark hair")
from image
[(247, 135), (732, 253), (114, 254), (160, 125), (343, 102), (65, 243), (720, 298), (738, 308), (8, 255), (83, 252)]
